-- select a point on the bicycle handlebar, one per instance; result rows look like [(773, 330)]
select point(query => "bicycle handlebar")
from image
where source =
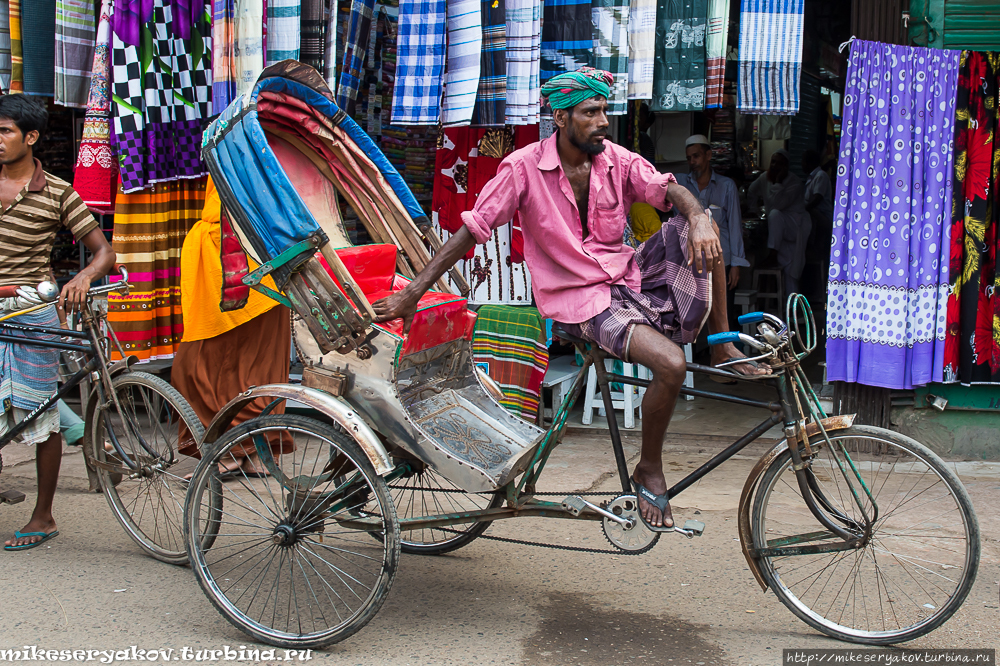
[(49, 291)]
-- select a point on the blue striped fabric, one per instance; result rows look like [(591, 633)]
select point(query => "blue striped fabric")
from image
[(28, 374), (465, 42), (355, 49), (491, 97), (420, 57), (283, 30), (770, 56), (567, 37)]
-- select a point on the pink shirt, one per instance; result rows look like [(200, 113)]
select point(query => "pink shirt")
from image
[(571, 276)]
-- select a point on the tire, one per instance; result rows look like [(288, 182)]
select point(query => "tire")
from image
[(915, 571), (146, 489), (336, 551), (426, 492)]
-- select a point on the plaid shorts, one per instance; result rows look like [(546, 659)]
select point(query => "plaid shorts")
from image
[(673, 299), (44, 426)]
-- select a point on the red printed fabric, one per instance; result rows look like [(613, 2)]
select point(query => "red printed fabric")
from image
[(234, 267), (467, 158), (972, 352)]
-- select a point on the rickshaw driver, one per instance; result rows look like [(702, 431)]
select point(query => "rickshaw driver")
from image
[(572, 191)]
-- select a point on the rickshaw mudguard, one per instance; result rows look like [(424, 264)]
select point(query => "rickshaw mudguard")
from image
[(830, 424), (337, 409)]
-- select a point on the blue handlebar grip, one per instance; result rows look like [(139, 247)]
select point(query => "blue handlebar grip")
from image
[(722, 338), (750, 318)]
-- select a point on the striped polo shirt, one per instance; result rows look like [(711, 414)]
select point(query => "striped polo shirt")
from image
[(28, 228)]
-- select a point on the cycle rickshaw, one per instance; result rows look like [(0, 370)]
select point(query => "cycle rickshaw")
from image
[(861, 532)]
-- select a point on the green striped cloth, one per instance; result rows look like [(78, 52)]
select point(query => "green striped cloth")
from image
[(509, 344)]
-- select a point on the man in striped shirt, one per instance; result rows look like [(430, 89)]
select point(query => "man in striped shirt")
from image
[(34, 205)]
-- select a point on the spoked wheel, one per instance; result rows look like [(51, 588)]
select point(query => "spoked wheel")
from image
[(304, 554), (914, 571), (138, 464), (427, 493)]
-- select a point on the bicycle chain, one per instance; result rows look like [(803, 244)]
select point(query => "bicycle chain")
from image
[(545, 494), (521, 542)]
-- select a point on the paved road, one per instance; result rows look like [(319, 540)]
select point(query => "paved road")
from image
[(685, 602)]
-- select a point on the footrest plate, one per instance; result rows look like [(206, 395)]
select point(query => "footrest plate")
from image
[(11, 497), (574, 505)]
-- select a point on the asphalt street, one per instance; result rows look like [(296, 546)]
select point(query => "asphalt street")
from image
[(685, 602)]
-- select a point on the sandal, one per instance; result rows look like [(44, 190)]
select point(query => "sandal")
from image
[(661, 502)]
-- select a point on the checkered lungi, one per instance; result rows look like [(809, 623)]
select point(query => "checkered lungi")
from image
[(673, 299), (28, 376)]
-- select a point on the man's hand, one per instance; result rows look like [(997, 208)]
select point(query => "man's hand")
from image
[(704, 248), (734, 277), (74, 294), (401, 304)]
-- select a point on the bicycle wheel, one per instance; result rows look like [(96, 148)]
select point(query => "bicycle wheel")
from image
[(294, 563), (139, 467), (426, 493), (911, 575)]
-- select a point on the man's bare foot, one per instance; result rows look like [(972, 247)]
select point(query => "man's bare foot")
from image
[(654, 482), (45, 526), (226, 467), (253, 467), (727, 352)]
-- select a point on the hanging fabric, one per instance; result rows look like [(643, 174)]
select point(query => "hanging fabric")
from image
[(223, 56), (523, 38), (465, 44), (491, 95), (770, 56), (150, 228), (355, 49), (74, 54), (4, 46), (283, 30), (679, 68), (715, 52), (248, 43), (161, 59), (611, 20), (641, 48), (16, 59), (420, 57), (467, 159), (567, 37), (38, 29), (330, 47), (313, 33), (509, 344), (888, 284), (972, 345), (95, 177)]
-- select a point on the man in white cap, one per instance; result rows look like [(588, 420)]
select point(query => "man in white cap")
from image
[(788, 222), (718, 194)]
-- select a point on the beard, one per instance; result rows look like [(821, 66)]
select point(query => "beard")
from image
[(588, 146)]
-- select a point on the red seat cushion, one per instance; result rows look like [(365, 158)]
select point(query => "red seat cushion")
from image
[(439, 318)]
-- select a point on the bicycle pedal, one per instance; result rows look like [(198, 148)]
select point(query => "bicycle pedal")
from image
[(574, 504), (11, 497), (695, 527)]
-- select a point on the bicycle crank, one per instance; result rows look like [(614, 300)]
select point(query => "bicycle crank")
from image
[(633, 538)]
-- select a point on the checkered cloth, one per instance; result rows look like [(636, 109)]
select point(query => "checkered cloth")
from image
[(465, 42), (283, 30), (641, 48), (673, 299), (16, 50), (523, 34), (28, 376), (4, 45), (355, 48), (715, 52), (770, 56), (679, 67), (567, 37), (611, 19), (223, 58), (159, 111), (509, 344), (76, 29), (491, 98), (420, 56), (313, 42)]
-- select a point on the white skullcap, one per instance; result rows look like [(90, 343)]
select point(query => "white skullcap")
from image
[(783, 153), (697, 139)]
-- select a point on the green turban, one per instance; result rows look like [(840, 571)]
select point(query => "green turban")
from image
[(567, 90)]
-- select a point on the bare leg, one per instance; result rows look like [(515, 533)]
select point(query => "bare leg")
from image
[(718, 322), (48, 458), (666, 360)]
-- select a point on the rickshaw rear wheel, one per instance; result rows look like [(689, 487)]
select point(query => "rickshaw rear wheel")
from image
[(304, 556)]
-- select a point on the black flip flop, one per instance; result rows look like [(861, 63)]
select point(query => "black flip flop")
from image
[(661, 502), (723, 380)]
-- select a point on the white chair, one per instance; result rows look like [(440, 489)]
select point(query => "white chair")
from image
[(558, 379), (777, 294), (629, 399)]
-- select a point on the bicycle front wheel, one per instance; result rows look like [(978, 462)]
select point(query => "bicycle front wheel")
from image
[(138, 463), (919, 563)]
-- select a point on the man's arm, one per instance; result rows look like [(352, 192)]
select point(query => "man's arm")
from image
[(737, 255), (74, 294), (495, 207)]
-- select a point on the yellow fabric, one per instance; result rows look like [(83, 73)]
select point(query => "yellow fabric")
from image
[(201, 278), (645, 221)]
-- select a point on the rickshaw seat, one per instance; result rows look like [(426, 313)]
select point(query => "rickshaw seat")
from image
[(440, 317)]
